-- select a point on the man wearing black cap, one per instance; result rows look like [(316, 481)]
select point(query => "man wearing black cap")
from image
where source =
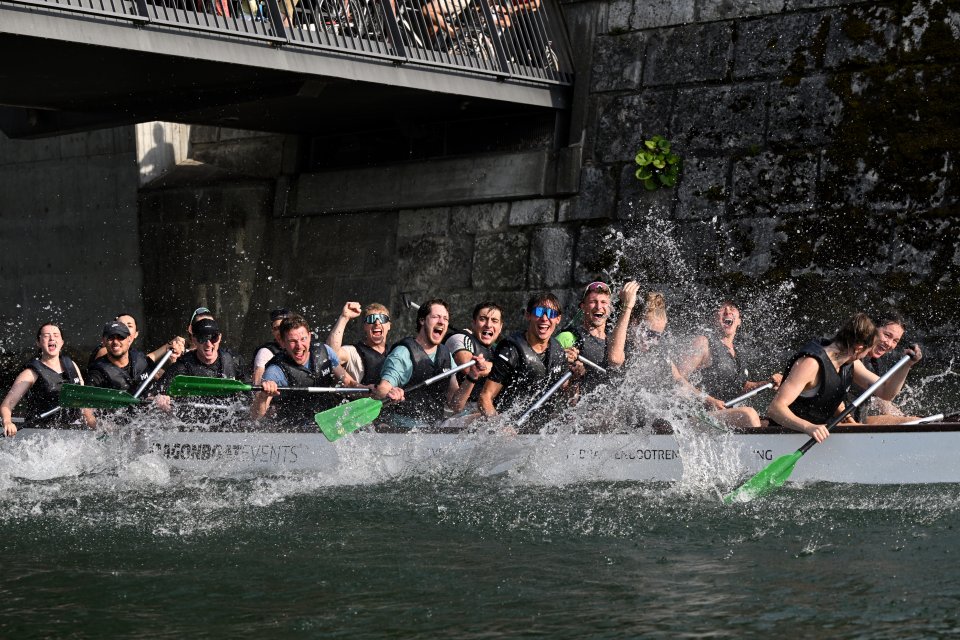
[(266, 351), (121, 368), (207, 360)]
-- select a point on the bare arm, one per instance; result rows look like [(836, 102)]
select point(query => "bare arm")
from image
[(618, 340), (863, 377), (19, 389), (458, 394), (489, 392), (335, 339), (89, 418), (803, 375), (345, 378)]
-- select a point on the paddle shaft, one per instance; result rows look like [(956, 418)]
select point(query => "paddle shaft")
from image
[(149, 379), (441, 376), (546, 396), (591, 364), (318, 389), (856, 403), (748, 394), (934, 418)]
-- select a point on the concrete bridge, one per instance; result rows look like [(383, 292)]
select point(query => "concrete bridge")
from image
[(293, 67)]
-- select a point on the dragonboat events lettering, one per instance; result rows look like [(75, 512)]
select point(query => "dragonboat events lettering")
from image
[(257, 454)]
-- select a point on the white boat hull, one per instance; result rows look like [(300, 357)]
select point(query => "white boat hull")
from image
[(868, 456)]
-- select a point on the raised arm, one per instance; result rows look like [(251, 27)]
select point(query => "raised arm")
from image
[(350, 311), (616, 354)]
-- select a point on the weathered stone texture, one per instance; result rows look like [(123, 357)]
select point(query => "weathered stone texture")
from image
[(719, 118), (804, 113), (787, 45), (862, 34), (693, 53), (550, 251), (636, 204), (771, 183), (541, 211), (489, 216), (597, 189), (703, 193), (625, 121), (500, 261), (649, 15), (727, 9), (618, 62)]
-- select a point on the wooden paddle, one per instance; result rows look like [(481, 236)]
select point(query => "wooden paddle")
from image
[(203, 386), (777, 472), (347, 418), (78, 395)]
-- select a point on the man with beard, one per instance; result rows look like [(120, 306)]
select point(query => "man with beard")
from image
[(716, 356), (528, 362), (121, 367), (176, 343), (362, 360), (418, 358), (301, 364), (480, 339)]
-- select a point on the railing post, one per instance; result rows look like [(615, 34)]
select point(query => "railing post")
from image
[(495, 31), (386, 7), (141, 8), (276, 19)]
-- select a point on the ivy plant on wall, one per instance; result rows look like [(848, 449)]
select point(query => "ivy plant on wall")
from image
[(658, 166)]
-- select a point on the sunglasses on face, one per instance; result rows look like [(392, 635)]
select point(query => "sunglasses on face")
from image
[(545, 311), (213, 338), (374, 318), (600, 287)]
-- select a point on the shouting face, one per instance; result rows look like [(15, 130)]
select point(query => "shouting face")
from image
[(49, 340), (543, 321), (435, 325), (596, 309), (728, 319), (297, 345), (375, 329), (487, 326)]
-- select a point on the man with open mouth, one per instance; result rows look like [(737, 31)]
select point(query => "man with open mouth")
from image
[(364, 359), (591, 336), (479, 339), (414, 360)]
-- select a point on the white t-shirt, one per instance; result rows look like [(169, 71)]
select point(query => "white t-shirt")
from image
[(353, 364)]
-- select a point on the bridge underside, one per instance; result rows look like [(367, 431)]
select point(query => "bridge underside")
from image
[(64, 74)]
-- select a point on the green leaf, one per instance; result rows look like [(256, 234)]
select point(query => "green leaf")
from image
[(673, 158), (644, 173), (639, 157), (650, 184), (659, 163), (650, 144), (664, 145), (667, 181)]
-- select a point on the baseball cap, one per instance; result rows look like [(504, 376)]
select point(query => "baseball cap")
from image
[(115, 328), (205, 329)]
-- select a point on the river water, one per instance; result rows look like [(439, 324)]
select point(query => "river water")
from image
[(137, 550)]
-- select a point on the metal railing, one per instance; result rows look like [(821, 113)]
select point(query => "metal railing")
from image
[(520, 40)]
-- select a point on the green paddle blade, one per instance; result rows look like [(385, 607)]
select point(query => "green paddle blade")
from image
[(201, 386), (566, 339), (347, 418), (770, 478), (77, 395)]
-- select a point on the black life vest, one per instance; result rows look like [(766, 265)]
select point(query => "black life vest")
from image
[(819, 409), (726, 375), (294, 409), (44, 394), (225, 366), (532, 376), (372, 363), (425, 404), (271, 346), (104, 373), (476, 348), (593, 349)]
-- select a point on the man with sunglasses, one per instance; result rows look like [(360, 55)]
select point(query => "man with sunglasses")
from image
[(208, 360), (528, 362), (120, 368), (364, 359), (266, 351)]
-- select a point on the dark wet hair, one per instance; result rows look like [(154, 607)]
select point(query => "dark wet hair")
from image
[(291, 322), (48, 324), (124, 313), (890, 316), (424, 310), (544, 297), (486, 304), (859, 329)]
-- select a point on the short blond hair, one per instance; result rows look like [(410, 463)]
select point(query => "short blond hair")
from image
[(375, 307)]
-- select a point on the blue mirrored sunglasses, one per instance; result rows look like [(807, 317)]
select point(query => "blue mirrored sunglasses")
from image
[(546, 311), (373, 318)]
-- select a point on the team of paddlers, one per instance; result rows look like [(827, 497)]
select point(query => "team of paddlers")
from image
[(478, 373)]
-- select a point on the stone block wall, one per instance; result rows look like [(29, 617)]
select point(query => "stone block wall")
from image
[(69, 248)]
